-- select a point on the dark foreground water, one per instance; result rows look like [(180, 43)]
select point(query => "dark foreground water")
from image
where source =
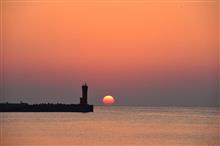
[(114, 126)]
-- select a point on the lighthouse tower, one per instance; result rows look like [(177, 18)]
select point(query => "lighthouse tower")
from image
[(83, 99)]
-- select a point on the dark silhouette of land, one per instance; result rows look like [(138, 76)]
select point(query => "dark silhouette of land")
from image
[(83, 106)]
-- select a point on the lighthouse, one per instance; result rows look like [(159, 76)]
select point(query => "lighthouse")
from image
[(83, 99)]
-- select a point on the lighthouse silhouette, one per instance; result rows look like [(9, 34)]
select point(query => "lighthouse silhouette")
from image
[(83, 99)]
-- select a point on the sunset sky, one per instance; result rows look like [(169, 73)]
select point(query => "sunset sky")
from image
[(142, 52)]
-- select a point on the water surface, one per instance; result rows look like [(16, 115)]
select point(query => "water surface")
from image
[(118, 125)]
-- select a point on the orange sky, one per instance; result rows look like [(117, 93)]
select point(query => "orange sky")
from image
[(116, 46)]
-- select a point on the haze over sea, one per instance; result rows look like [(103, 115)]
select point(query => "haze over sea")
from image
[(114, 125)]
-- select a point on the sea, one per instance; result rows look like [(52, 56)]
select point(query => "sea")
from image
[(114, 126)]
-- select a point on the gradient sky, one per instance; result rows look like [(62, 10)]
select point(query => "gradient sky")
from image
[(143, 52)]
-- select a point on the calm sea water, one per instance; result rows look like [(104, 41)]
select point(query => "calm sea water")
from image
[(114, 126)]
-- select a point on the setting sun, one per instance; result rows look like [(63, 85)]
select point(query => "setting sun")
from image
[(108, 100)]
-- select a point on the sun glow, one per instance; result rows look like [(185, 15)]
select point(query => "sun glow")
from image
[(108, 100)]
